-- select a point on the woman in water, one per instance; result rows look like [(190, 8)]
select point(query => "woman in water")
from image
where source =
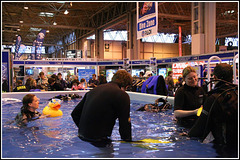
[(28, 110), (188, 98)]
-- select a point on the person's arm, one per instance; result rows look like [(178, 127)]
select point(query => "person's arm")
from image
[(199, 127), (185, 113), (76, 113), (124, 118)]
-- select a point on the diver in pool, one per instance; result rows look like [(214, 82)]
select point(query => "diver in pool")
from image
[(218, 121), (29, 110), (156, 107), (97, 112)]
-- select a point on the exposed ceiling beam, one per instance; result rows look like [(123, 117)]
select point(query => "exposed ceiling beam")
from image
[(174, 16), (52, 26)]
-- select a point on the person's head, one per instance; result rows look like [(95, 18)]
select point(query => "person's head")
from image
[(144, 8), (19, 82), (82, 80), (59, 75), (93, 76), (223, 71), (141, 74), (54, 76), (30, 102), (33, 83), (170, 73), (75, 82), (122, 78), (51, 81), (41, 75), (190, 76)]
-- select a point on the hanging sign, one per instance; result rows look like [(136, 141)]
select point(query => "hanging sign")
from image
[(147, 19)]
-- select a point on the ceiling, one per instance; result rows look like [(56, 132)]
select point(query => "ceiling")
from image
[(85, 17)]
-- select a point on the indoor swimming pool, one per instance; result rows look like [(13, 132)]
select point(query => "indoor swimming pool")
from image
[(57, 137)]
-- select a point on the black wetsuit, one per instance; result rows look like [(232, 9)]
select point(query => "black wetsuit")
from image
[(25, 116), (220, 117), (96, 114), (188, 98)]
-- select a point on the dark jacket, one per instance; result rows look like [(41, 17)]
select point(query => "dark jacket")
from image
[(97, 112)]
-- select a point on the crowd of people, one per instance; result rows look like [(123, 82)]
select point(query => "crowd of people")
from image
[(57, 83), (212, 117)]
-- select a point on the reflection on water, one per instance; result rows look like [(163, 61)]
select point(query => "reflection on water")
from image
[(57, 137)]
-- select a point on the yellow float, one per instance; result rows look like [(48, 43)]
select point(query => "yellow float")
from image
[(52, 109)]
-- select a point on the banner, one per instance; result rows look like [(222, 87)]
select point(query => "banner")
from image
[(147, 19), (38, 44), (6, 71), (17, 46)]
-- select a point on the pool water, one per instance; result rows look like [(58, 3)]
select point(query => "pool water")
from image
[(57, 137)]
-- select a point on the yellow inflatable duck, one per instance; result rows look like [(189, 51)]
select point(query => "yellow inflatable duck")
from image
[(52, 108)]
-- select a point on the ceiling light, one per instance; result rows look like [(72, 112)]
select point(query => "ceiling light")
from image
[(18, 29), (25, 7), (21, 21), (47, 31), (66, 12), (54, 23)]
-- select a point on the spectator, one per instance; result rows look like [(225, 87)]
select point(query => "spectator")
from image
[(75, 84), (61, 81), (54, 86), (93, 82), (102, 79), (83, 84), (68, 81), (43, 81), (20, 87), (170, 83), (33, 86)]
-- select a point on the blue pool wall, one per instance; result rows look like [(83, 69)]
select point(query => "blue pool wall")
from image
[(141, 97)]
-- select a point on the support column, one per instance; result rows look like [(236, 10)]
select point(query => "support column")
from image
[(203, 27), (136, 42), (130, 36), (210, 27), (197, 28), (99, 44)]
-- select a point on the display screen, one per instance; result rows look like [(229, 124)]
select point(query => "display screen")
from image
[(162, 71), (136, 72), (29, 71), (109, 74)]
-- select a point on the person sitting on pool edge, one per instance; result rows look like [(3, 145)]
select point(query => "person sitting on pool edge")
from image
[(29, 110), (96, 114), (188, 98)]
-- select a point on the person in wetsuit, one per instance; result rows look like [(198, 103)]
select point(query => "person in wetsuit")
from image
[(188, 99), (97, 112), (28, 110), (218, 122)]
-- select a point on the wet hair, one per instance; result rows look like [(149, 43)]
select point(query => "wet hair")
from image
[(223, 71), (26, 100), (122, 78), (187, 70)]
